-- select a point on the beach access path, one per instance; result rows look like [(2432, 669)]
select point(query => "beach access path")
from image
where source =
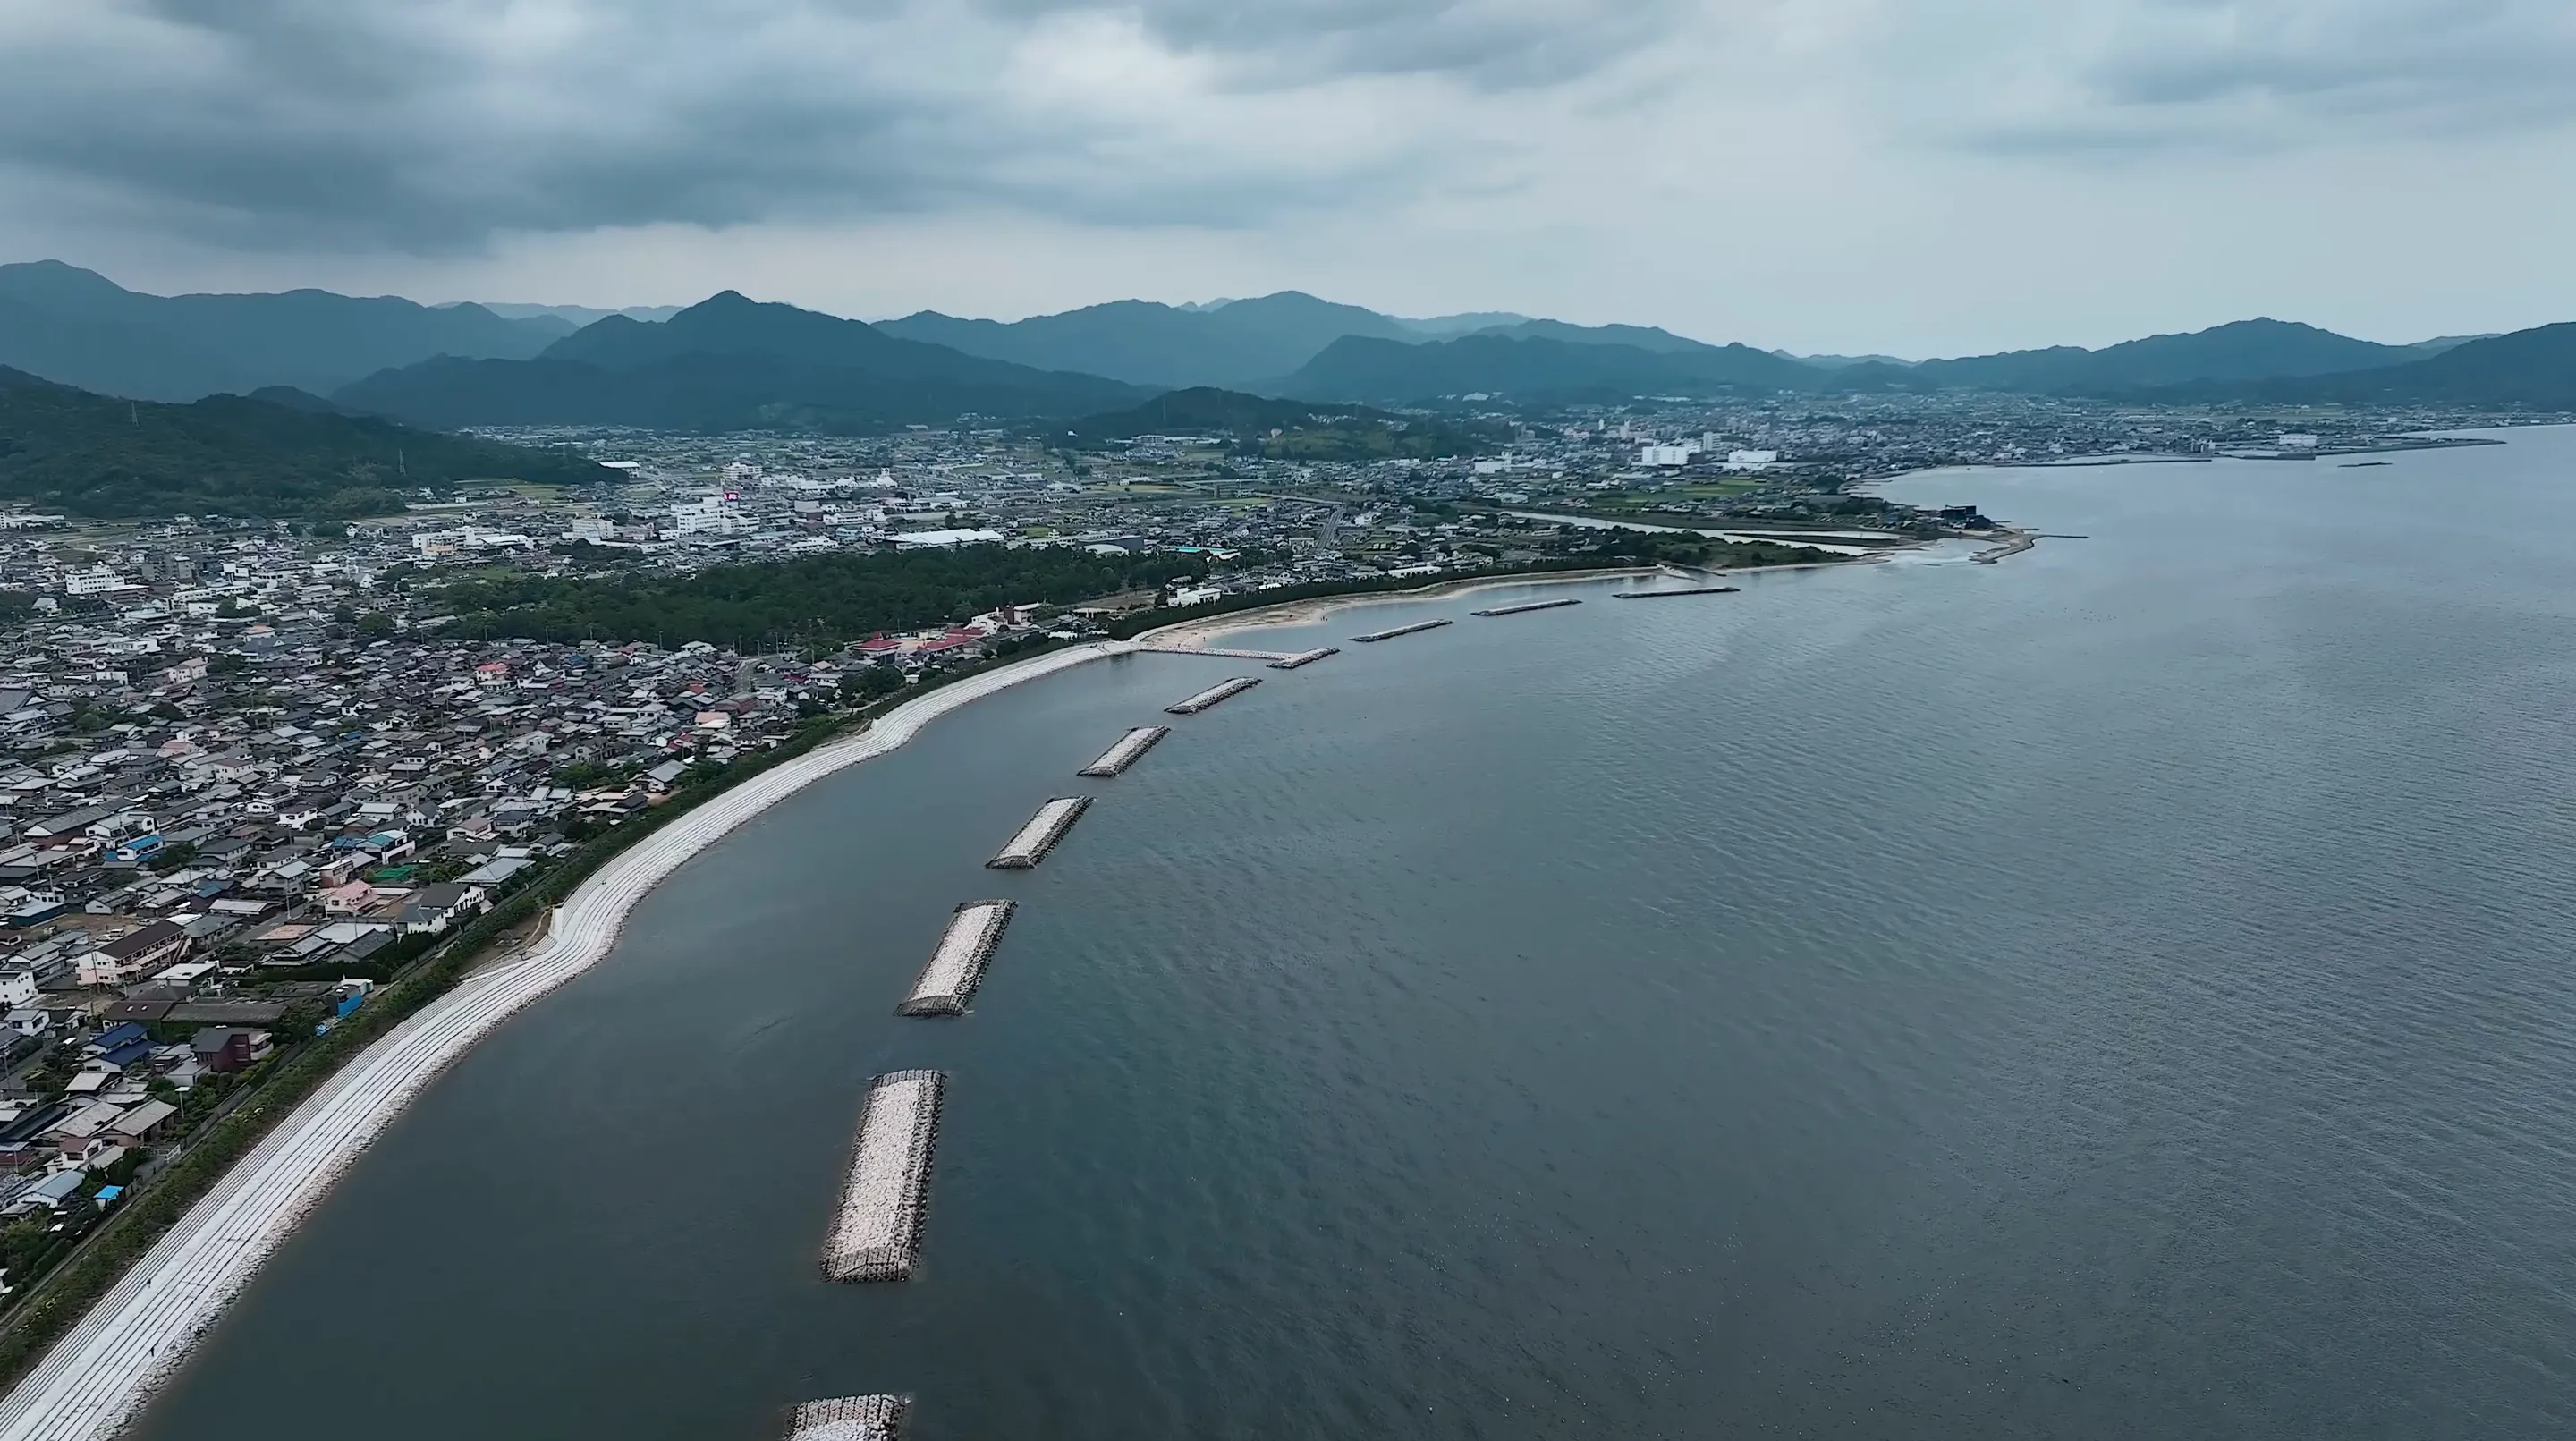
[(98, 1377)]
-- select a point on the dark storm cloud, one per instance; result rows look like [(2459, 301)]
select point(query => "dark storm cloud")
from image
[(433, 124)]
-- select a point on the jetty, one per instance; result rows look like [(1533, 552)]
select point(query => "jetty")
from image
[(2015, 546), (1305, 657), (849, 1418), (956, 965), (1039, 836), (1222, 690), (1420, 625), (1527, 606), (1126, 752), (876, 1230), (1691, 590)]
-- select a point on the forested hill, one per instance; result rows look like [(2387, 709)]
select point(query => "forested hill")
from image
[(94, 455), (837, 596)]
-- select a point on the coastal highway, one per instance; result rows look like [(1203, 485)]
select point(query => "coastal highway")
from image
[(99, 1375)]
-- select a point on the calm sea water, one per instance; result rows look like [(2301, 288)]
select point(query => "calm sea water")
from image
[(2122, 992)]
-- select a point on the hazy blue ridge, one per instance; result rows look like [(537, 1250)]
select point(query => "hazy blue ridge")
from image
[(80, 328)]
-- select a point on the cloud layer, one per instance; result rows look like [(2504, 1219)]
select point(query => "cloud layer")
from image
[(422, 124), (1750, 154)]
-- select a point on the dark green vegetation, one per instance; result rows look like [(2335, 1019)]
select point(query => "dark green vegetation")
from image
[(1614, 550), (1647, 546), (80, 328), (1289, 429), (731, 363), (820, 598), (91, 455)]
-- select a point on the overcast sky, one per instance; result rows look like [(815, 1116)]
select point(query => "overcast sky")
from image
[(1912, 176)]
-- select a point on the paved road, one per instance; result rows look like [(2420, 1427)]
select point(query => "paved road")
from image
[(99, 1376)]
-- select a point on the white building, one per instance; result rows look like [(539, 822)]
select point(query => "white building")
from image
[(1667, 455), (1750, 459), (709, 515), (95, 580)]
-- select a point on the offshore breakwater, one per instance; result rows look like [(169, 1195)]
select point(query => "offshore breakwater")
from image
[(1033, 840), (1392, 632), (956, 965), (849, 1418), (1305, 657), (1687, 590), (1127, 750), (1526, 607), (1221, 691), (876, 1228)]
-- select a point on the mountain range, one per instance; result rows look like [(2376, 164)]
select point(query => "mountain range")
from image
[(81, 328), (731, 362)]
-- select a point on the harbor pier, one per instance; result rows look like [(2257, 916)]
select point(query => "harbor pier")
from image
[(1129, 749), (1040, 835), (956, 965), (876, 1229)]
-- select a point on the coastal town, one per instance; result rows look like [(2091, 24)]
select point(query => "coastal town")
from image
[(257, 768)]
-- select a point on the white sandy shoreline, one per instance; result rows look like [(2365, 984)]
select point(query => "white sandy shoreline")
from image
[(100, 1374)]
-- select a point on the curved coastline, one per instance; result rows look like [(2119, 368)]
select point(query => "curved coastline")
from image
[(1203, 629), (100, 1374)]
